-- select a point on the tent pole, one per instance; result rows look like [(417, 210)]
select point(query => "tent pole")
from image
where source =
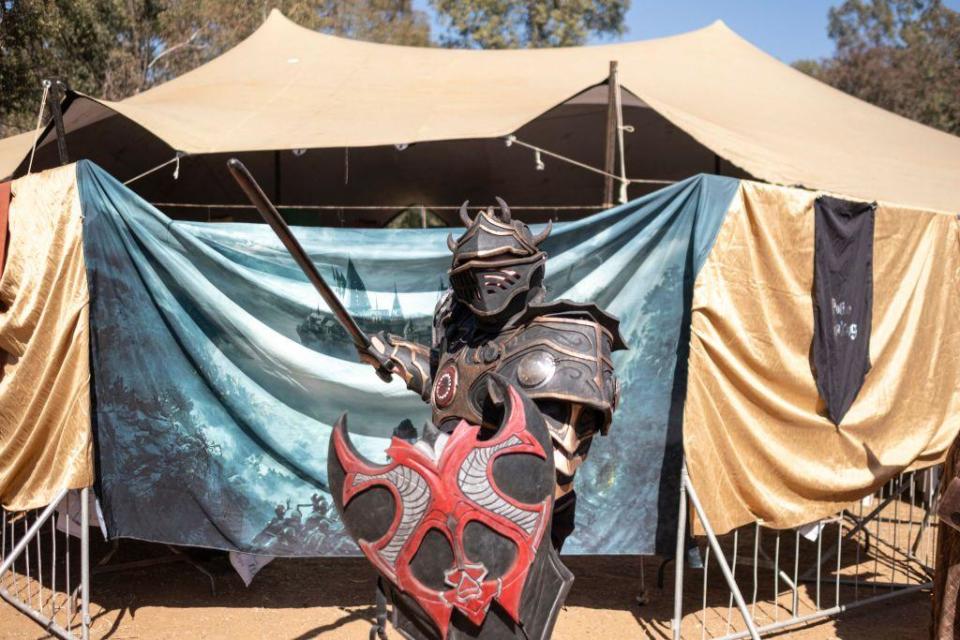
[(609, 160), (58, 90), (618, 97), (276, 176)]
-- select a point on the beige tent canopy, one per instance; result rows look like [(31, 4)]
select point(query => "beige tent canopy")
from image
[(289, 88), (13, 150)]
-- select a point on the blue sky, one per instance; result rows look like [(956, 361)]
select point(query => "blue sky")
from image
[(788, 29)]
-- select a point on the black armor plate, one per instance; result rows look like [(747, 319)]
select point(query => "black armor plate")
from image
[(561, 354)]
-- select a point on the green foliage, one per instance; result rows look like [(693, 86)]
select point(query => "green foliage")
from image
[(499, 24), (902, 55), (34, 37), (116, 48)]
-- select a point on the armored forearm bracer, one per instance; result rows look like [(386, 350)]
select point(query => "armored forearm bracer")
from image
[(578, 398)]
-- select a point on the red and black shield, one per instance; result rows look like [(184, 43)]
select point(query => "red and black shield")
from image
[(457, 522)]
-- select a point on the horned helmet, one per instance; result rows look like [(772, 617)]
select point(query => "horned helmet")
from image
[(496, 260)]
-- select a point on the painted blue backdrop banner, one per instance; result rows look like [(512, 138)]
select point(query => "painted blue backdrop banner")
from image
[(218, 371)]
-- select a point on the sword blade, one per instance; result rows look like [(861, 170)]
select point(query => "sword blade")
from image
[(272, 217)]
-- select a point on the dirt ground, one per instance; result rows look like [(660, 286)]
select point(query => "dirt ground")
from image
[(331, 598)]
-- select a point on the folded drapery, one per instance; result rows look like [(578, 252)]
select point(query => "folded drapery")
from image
[(217, 370), (216, 412), (757, 437), (45, 439)]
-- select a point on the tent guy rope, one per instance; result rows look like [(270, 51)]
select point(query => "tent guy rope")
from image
[(176, 172), (381, 207), (512, 140), (508, 140), (36, 134)]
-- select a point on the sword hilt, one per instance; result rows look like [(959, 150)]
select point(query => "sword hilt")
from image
[(385, 366)]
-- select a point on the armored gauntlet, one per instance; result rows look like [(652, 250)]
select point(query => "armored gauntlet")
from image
[(411, 361)]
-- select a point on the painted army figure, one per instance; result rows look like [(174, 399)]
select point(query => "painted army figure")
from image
[(508, 372)]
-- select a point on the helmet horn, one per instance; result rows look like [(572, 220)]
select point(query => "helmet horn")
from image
[(504, 210), (451, 243), (537, 239), (464, 216)]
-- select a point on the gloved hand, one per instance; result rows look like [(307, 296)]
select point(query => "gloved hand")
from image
[(409, 360)]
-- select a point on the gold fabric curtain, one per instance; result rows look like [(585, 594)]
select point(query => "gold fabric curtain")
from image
[(45, 436), (757, 442)]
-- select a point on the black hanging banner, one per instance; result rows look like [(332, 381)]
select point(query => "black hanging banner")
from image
[(842, 300)]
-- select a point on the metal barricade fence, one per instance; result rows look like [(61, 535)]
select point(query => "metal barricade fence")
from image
[(771, 580), (45, 570)]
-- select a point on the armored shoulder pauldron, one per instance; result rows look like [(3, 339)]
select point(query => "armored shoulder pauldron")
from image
[(563, 357)]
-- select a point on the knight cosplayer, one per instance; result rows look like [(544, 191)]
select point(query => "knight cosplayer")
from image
[(465, 524)]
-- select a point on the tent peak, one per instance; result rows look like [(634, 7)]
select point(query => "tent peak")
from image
[(277, 17), (278, 20)]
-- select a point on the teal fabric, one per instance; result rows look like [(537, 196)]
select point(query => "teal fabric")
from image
[(218, 371)]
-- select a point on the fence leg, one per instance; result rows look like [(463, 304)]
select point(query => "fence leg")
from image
[(85, 563), (721, 559), (678, 561)]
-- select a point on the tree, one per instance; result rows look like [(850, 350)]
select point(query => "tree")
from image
[(901, 55), (116, 48), (498, 24), (26, 57)]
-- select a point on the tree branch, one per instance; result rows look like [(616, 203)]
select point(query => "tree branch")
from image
[(186, 43)]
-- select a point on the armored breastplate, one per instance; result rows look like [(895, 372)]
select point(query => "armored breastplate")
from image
[(549, 357)]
